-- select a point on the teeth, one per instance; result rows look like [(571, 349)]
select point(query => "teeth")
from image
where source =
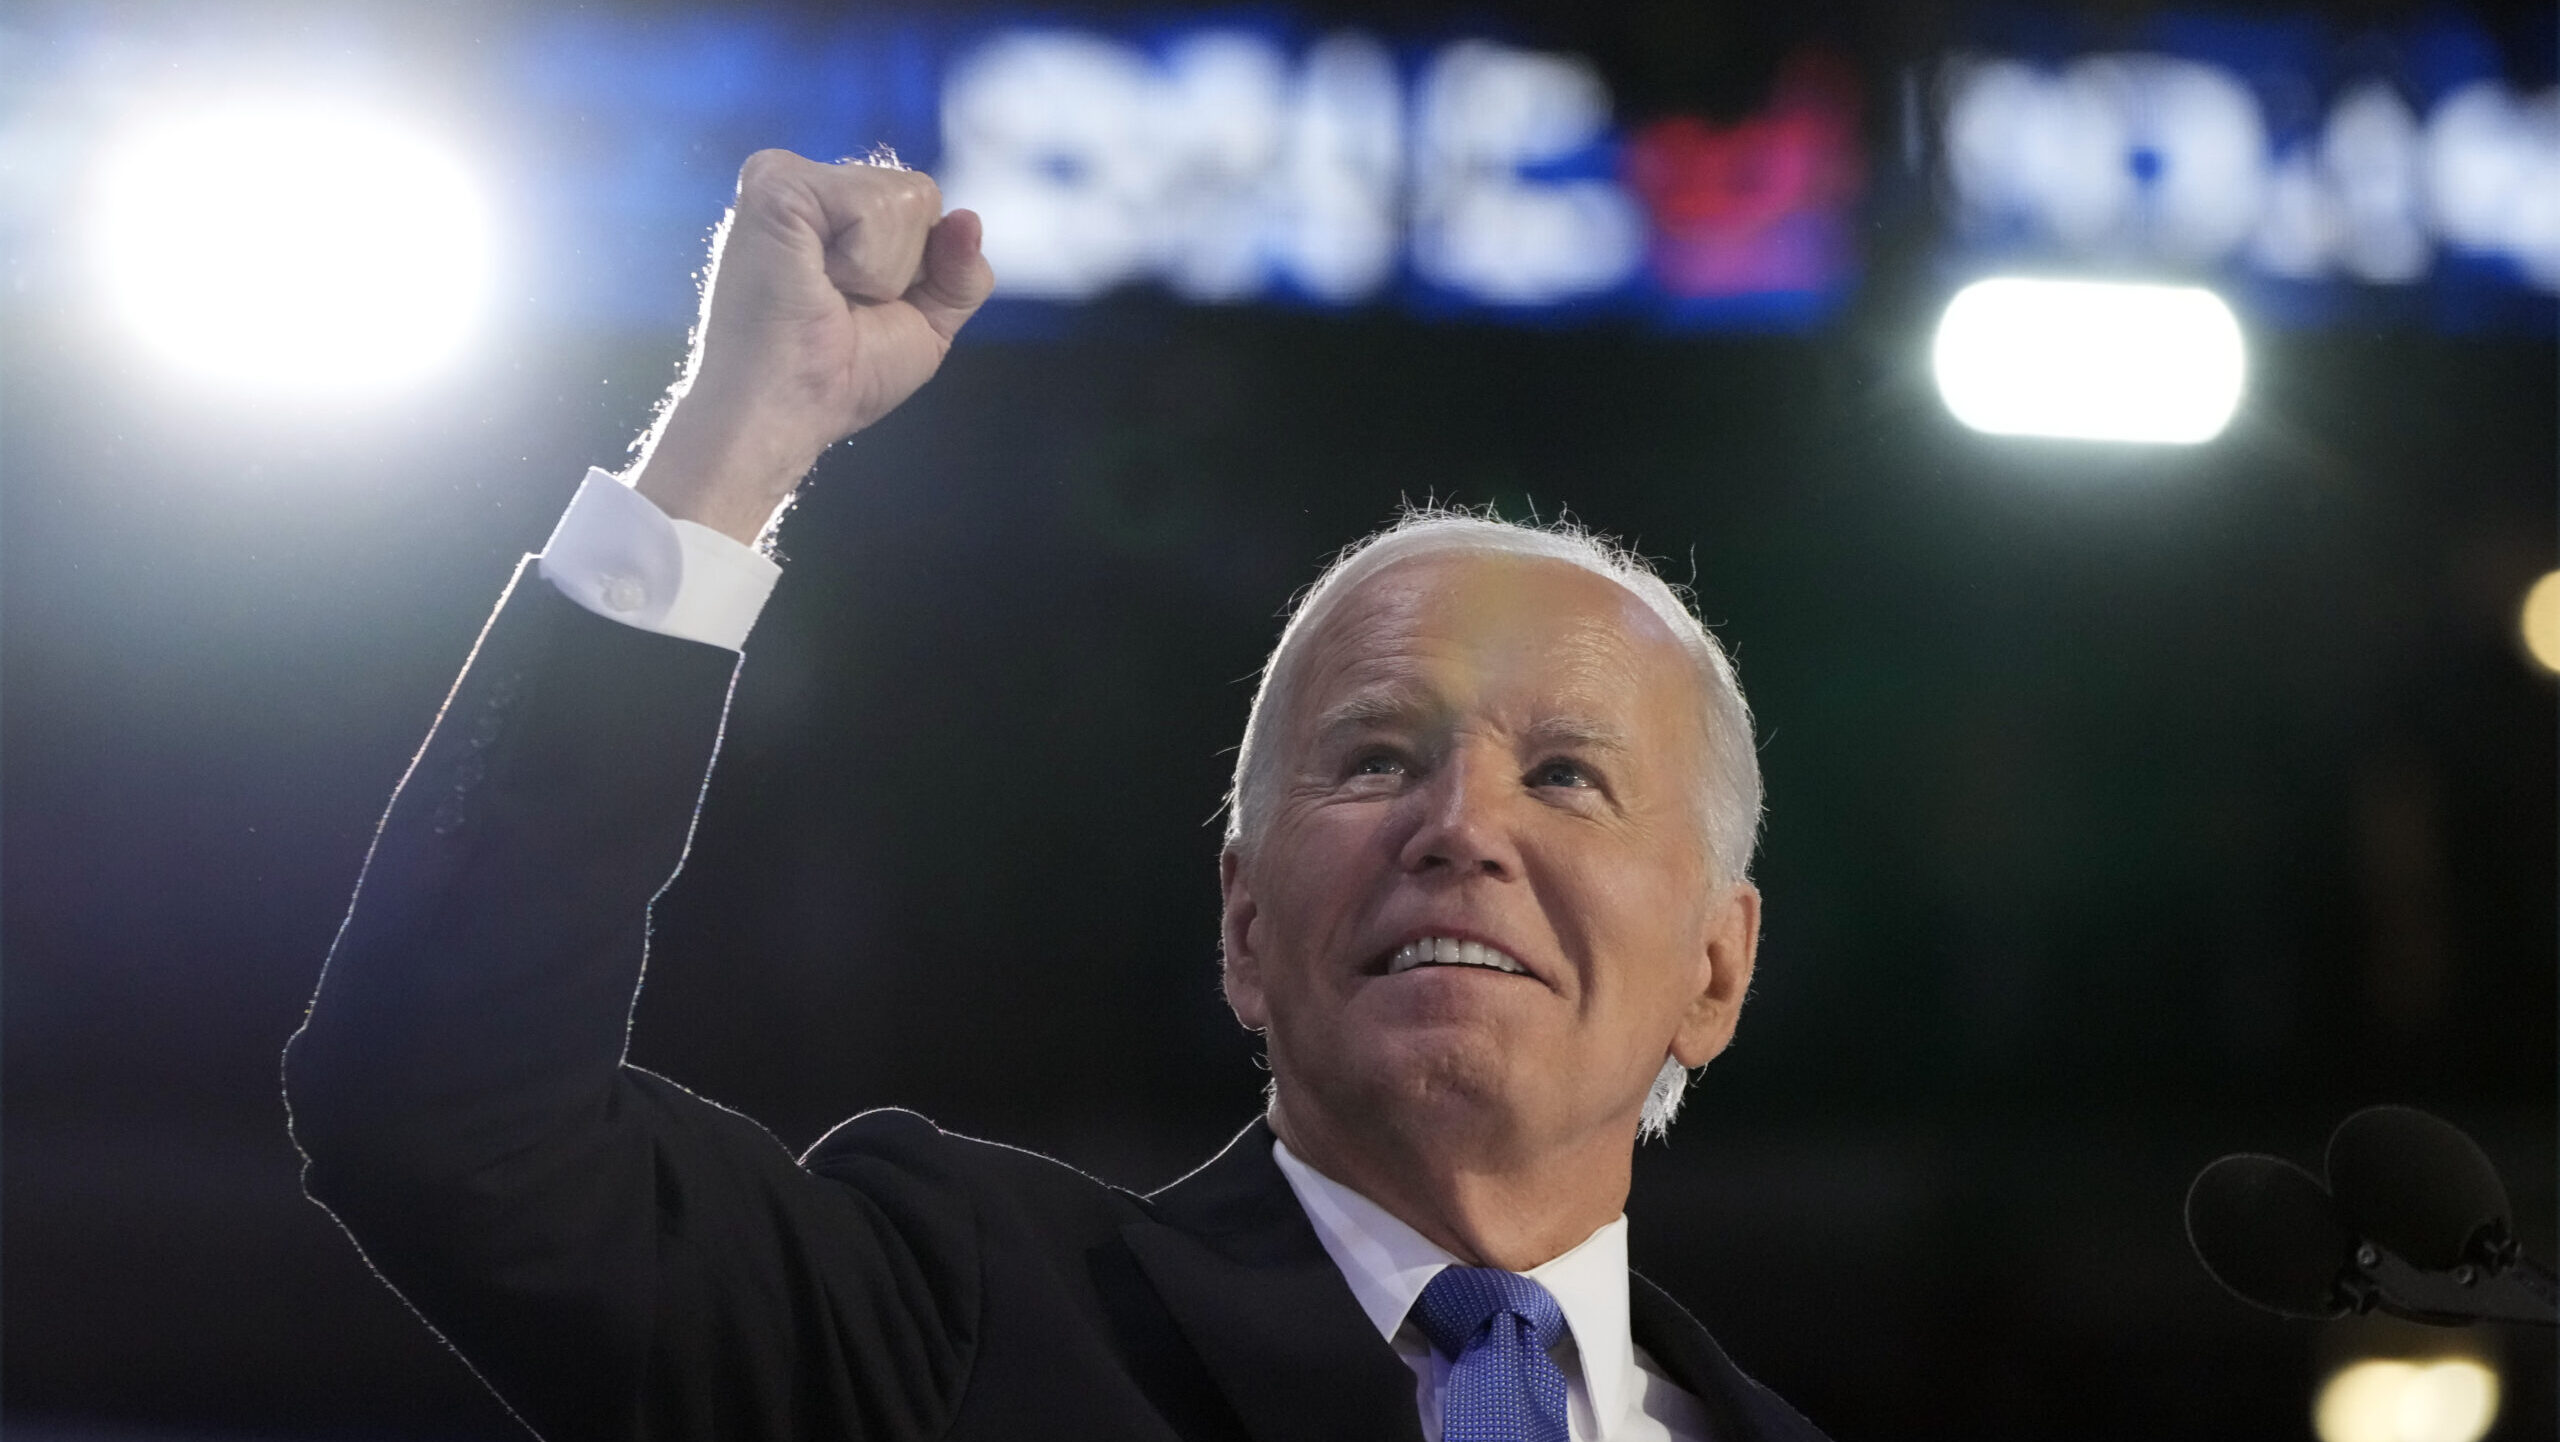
[(1449, 951)]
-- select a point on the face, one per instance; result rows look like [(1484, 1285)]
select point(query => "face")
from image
[(1483, 897)]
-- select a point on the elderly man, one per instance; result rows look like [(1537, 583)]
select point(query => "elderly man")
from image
[(1484, 896)]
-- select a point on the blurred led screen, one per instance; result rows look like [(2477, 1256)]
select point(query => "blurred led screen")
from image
[(2330, 173), (2410, 177)]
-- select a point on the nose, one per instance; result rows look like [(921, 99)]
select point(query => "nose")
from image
[(1459, 828)]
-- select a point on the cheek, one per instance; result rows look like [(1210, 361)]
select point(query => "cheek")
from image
[(1325, 846), (1611, 893), (1314, 872), (1637, 918)]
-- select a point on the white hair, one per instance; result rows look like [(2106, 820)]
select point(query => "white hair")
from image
[(1729, 803)]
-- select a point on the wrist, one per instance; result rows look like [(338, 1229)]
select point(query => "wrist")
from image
[(731, 477)]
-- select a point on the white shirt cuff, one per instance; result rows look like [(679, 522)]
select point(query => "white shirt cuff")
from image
[(618, 555)]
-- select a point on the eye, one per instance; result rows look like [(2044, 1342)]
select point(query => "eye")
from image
[(1562, 771), (1377, 762)]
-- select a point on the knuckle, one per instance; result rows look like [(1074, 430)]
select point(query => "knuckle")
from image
[(764, 169), (865, 188)]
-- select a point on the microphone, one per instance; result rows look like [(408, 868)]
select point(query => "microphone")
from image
[(2440, 1235), (2414, 1222), (2417, 1185)]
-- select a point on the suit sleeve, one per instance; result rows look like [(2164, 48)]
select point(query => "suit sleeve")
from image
[(615, 1256)]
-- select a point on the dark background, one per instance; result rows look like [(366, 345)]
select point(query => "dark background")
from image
[(2127, 807)]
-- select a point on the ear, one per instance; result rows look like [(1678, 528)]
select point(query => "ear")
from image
[(1243, 966), (1732, 944)]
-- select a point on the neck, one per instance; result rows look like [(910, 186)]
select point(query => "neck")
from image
[(1513, 1207)]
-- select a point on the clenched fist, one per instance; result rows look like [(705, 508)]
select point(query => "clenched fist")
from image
[(834, 293)]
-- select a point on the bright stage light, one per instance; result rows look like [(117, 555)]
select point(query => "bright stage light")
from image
[(284, 247), (2541, 622), (2453, 1399), (2090, 361)]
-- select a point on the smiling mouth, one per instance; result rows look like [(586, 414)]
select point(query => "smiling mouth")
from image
[(1449, 951)]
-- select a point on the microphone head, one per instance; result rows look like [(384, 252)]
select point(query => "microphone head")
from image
[(2267, 1230), (2415, 1184)]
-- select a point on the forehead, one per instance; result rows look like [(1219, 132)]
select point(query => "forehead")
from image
[(1476, 628)]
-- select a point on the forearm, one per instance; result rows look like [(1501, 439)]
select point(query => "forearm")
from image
[(478, 995)]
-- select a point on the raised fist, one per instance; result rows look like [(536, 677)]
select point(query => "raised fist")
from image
[(834, 293)]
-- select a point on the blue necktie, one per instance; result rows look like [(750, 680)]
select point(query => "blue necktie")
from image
[(1495, 1328)]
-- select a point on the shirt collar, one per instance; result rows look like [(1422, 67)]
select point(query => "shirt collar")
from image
[(1387, 1264)]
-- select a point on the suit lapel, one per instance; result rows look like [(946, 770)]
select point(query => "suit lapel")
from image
[(1738, 1409), (1241, 1271)]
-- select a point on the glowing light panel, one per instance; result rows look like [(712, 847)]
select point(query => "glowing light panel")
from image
[(2453, 1400), (2090, 361), (2541, 622), (281, 247)]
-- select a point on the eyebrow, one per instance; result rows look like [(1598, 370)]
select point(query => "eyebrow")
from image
[(1400, 707), (1372, 708), (1579, 732)]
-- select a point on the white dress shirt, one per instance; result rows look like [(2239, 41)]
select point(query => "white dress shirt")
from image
[(1613, 1391), (618, 555), (615, 553)]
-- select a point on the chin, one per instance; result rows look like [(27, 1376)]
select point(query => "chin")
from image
[(1444, 1077)]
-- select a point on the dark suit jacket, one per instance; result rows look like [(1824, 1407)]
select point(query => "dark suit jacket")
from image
[(620, 1258)]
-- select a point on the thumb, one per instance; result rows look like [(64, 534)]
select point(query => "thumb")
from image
[(956, 277)]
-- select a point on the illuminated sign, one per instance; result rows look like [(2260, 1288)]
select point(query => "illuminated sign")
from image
[(2227, 151), (1226, 166)]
